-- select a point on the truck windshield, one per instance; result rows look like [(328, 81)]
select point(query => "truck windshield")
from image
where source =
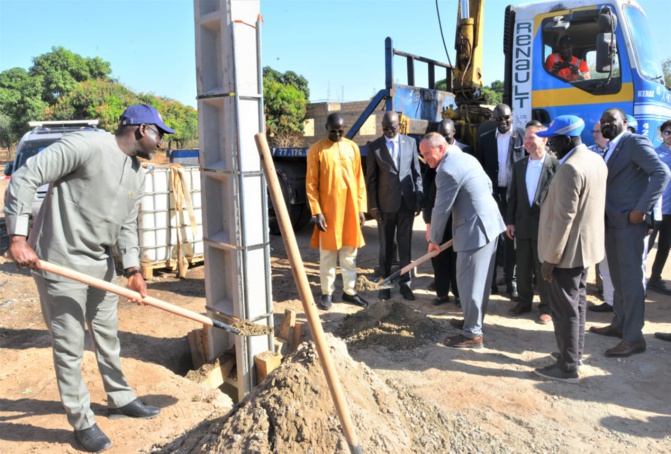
[(649, 65)]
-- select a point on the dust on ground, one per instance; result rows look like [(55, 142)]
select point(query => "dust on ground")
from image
[(391, 324)]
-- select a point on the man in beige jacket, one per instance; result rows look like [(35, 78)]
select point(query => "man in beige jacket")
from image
[(570, 239)]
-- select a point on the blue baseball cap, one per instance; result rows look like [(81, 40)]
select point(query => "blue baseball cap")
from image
[(632, 123), (564, 125), (138, 114)]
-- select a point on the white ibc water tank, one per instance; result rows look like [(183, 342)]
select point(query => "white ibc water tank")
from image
[(159, 219)]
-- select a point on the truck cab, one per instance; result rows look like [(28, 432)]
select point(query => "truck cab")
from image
[(613, 40)]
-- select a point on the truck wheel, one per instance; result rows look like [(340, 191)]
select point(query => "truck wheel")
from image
[(297, 213)]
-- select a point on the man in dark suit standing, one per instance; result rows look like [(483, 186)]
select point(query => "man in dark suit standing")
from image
[(463, 190), (636, 180), (570, 239), (531, 179), (498, 149), (445, 263), (394, 186)]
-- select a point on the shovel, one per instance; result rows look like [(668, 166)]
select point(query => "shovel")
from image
[(387, 283), (122, 291)]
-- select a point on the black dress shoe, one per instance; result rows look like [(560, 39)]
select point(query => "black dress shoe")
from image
[(93, 439), (325, 302), (519, 309), (663, 336), (625, 349), (603, 307), (407, 293), (659, 286), (135, 409), (384, 294), (355, 299), (437, 301)]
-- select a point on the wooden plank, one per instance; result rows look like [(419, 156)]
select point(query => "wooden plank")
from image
[(195, 339), (215, 377), (282, 346), (286, 328), (265, 363), (299, 334)]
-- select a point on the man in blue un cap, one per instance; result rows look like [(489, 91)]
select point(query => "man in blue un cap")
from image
[(570, 239), (96, 184)]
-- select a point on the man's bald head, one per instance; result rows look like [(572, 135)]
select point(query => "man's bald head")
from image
[(390, 124), (446, 129), (335, 125)]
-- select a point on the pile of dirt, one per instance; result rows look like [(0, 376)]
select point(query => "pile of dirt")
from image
[(292, 411), (391, 324), (363, 284)]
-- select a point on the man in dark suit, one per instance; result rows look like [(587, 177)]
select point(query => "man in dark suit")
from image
[(498, 149), (394, 186), (531, 179), (445, 263), (463, 190), (570, 239), (636, 180)]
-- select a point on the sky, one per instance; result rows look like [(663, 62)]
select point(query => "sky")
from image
[(337, 46)]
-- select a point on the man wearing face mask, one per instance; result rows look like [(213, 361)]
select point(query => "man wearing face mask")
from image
[(336, 192), (96, 184), (498, 149), (636, 180), (394, 191)]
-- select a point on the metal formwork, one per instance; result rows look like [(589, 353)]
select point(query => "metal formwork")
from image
[(236, 243)]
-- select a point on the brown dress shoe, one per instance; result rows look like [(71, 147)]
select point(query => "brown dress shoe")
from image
[(607, 330), (457, 322), (625, 349), (461, 341)]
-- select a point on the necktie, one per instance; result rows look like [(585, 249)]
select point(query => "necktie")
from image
[(394, 153)]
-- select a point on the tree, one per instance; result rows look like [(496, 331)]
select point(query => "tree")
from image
[(494, 93), (61, 71), (20, 100), (285, 101)]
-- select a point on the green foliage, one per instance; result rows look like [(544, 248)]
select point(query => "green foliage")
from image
[(62, 85), (285, 101), (61, 71)]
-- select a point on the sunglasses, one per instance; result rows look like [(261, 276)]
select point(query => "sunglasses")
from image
[(502, 118), (666, 133), (389, 128), (337, 131)]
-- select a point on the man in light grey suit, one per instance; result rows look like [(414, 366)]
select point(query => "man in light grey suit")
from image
[(394, 188), (636, 180), (464, 190)]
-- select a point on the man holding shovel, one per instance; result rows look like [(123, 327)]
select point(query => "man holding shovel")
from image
[(464, 190), (95, 186)]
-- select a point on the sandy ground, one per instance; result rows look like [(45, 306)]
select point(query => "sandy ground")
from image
[(619, 406)]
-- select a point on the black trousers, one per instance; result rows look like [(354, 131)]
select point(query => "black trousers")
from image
[(663, 246), (505, 253), (568, 304), (526, 253), (397, 225), (445, 266)]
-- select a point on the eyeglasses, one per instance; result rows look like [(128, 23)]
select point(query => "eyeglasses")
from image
[(337, 131), (159, 133), (666, 133), (596, 131)]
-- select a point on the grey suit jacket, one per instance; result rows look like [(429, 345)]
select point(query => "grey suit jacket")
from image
[(636, 179), (519, 213), (571, 229), (464, 190), (385, 184)]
